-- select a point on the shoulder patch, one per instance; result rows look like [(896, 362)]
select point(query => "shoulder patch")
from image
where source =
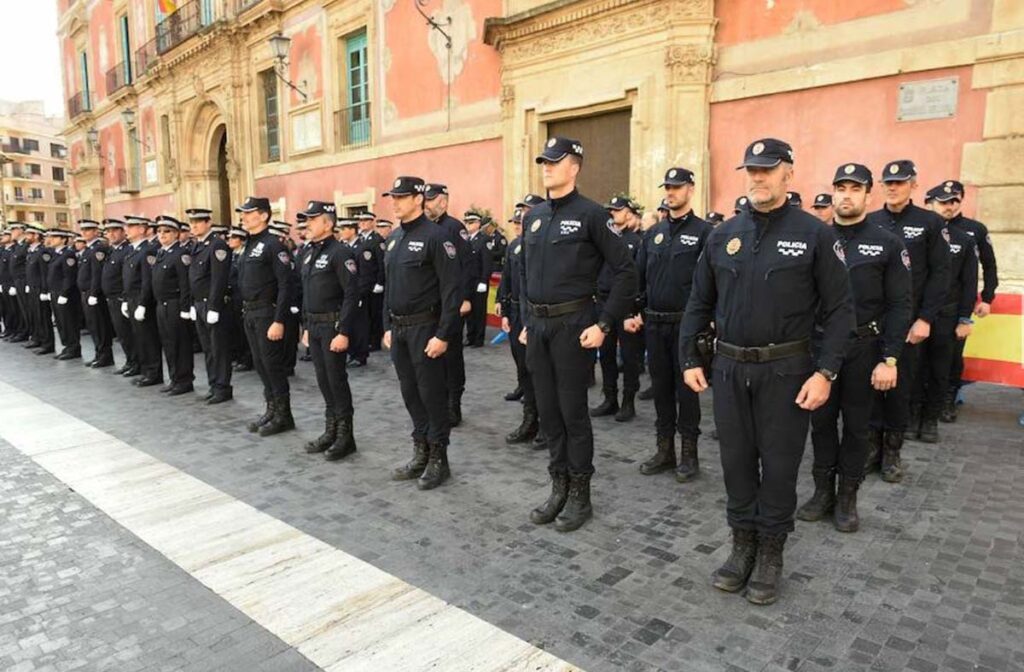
[(350, 264), (71, 261), (945, 234), (382, 246), (988, 239), (391, 245), (837, 247), (517, 250), (367, 255), (283, 257), (150, 259), (449, 249), (905, 257), (464, 234), (220, 254), (186, 259), (46, 256), (100, 255)]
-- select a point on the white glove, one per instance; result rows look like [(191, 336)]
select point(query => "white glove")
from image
[(183, 315), (140, 313), (92, 301), (13, 291), (378, 289), (44, 297), (27, 289), (294, 310), (481, 288), (212, 317), (124, 309), (62, 300), (192, 313)]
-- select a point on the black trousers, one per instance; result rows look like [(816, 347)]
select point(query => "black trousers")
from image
[(523, 377), (890, 411), (122, 328), (97, 321), (608, 354), (176, 339), (146, 339), (935, 364), (455, 365), (422, 382), (956, 369), (762, 433), (560, 368), (66, 319), (44, 323), (216, 349), (12, 313), (240, 351), (331, 375), (676, 406), (268, 357), (292, 333), (23, 308), (476, 321), (376, 316), (359, 342), (30, 301), (852, 398)]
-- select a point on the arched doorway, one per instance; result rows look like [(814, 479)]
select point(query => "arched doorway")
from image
[(220, 187)]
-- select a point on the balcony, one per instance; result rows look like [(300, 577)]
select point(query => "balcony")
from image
[(118, 77), (11, 148), (127, 181), (22, 172), (79, 104), (181, 25), (352, 126)]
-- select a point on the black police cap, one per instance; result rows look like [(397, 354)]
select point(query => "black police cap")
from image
[(236, 232), (944, 194), (558, 148), (663, 206), (472, 216), (715, 217), (407, 186), (741, 202), (84, 224), (348, 223), (435, 189), (130, 220), (955, 185), (385, 223), (899, 171), (112, 223), (767, 153), (63, 233), (530, 201), (618, 203), (168, 221), (822, 201), (199, 213), (317, 208), (794, 199), (853, 172), (254, 203), (677, 176)]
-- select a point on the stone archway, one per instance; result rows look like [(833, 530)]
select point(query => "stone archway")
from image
[(210, 170)]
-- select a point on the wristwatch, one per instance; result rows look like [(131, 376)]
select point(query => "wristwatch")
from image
[(889, 361), (830, 376), (965, 320), (604, 327)]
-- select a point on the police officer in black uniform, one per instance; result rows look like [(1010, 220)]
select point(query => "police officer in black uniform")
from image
[(371, 240), (435, 206), (37, 261), (953, 323), (97, 320), (509, 309), (330, 296), (990, 281), (421, 310), (208, 288), (764, 277), (109, 283), (666, 263), (137, 269), (264, 278), (879, 268), (480, 264), (8, 292), (16, 268), (921, 231), (714, 218), (241, 355), (293, 320), (62, 274), (167, 284), (367, 271), (567, 242)]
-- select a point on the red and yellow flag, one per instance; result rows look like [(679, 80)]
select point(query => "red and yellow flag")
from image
[(995, 350), (167, 6)]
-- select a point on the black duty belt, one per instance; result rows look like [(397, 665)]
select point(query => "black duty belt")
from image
[(322, 317), (414, 319), (257, 305), (767, 353), (867, 330), (557, 309), (658, 316)]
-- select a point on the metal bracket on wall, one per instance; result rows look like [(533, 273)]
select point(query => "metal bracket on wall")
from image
[(434, 25)]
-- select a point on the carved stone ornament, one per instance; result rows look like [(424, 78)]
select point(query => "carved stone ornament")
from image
[(689, 63)]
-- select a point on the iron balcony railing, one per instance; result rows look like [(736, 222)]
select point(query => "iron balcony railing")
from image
[(79, 104), (118, 77), (127, 181), (352, 125)]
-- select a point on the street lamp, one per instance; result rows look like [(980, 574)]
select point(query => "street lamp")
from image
[(128, 116), (92, 136), (280, 47), (4, 159)]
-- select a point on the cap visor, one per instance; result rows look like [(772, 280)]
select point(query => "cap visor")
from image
[(545, 157), (897, 178), (759, 163), (242, 208)]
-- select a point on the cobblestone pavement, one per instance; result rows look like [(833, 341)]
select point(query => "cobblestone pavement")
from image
[(934, 580)]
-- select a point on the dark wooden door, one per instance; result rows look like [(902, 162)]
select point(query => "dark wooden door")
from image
[(605, 139)]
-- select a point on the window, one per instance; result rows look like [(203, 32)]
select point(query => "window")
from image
[(30, 145), (165, 144), (126, 49), (58, 174), (39, 216), (60, 196), (62, 218), (205, 12), (271, 122), (20, 215), (34, 169), (86, 93), (36, 194), (19, 194), (58, 151), (354, 122)]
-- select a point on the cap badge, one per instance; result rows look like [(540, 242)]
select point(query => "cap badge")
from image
[(743, 201), (535, 226), (658, 238), (849, 169), (893, 169), (757, 149), (733, 246), (552, 142), (948, 190), (949, 184), (672, 173), (398, 183)]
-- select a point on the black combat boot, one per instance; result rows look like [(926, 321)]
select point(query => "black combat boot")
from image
[(344, 443), (689, 464), (268, 413), (949, 411), (282, 420), (627, 411), (846, 518), (324, 441), (913, 431), (577, 509), (610, 405), (414, 468), (437, 471), (646, 394), (763, 586), (733, 574), (549, 510), (527, 429), (515, 395), (892, 469), (455, 411), (874, 457), (929, 430), (540, 442), (664, 457), (823, 501)]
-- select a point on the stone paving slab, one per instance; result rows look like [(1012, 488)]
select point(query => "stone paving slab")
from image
[(934, 580)]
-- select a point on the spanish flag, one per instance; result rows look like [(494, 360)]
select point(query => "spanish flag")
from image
[(994, 351), (167, 6)]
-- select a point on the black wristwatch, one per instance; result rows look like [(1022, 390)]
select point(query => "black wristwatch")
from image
[(830, 376), (604, 327)]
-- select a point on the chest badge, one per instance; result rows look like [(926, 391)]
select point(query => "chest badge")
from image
[(733, 246), (535, 226), (660, 237)]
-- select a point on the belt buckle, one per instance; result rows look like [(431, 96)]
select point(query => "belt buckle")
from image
[(541, 309), (758, 354)]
